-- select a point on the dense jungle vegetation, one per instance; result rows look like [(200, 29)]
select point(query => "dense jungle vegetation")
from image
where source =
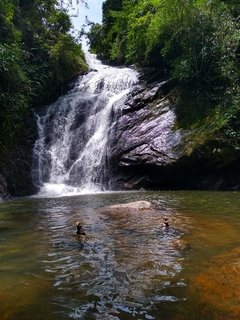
[(37, 57), (193, 42)]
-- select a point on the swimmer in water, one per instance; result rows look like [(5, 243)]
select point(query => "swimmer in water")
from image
[(80, 230), (165, 223)]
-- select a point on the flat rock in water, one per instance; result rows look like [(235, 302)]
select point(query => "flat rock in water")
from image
[(131, 206)]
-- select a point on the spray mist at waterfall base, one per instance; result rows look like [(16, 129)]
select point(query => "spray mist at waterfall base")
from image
[(63, 190)]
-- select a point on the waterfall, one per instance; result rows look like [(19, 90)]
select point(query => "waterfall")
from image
[(70, 154)]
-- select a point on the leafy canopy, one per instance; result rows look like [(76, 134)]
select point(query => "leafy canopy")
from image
[(194, 42), (37, 57)]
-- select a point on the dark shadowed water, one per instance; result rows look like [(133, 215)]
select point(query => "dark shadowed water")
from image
[(127, 267)]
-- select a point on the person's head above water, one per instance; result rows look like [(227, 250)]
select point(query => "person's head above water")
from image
[(80, 229), (165, 223)]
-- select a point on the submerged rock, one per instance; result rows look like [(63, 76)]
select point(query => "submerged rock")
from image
[(182, 245), (131, 206), (217, 287)]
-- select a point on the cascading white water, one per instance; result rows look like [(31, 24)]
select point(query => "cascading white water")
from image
[(70, 153)]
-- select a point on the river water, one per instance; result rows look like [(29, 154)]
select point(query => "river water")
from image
[(127, 267)]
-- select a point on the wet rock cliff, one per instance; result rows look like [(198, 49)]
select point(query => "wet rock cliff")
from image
[(149, 149), (15, 168)]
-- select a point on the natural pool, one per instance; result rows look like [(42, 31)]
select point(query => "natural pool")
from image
[(127, 268)]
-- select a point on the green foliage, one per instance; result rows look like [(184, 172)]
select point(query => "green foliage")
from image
[(37, 57), (185, 37), (67, 59), (195, 42)]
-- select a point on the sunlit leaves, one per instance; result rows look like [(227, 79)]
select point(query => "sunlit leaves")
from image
[(67, 59), (37, 57), (194, 42)]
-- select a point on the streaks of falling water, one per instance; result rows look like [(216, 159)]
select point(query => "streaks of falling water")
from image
[(70, 153)]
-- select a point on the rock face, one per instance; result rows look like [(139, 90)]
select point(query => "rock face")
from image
[(144, 137), (15, 170), (145, 132), (147, 149), (3, 189)]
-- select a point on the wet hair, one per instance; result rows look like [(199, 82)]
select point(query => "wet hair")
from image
[(165, 222), (79, 229)]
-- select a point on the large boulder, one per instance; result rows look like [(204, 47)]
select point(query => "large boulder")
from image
[(135, 206), (149, 149), (145, 133)]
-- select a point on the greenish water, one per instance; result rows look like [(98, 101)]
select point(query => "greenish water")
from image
[(127, 267)]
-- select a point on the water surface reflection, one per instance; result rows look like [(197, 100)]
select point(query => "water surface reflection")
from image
[(127, 267)]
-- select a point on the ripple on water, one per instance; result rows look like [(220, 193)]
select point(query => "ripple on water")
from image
[(126, 268), (116, 270)]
